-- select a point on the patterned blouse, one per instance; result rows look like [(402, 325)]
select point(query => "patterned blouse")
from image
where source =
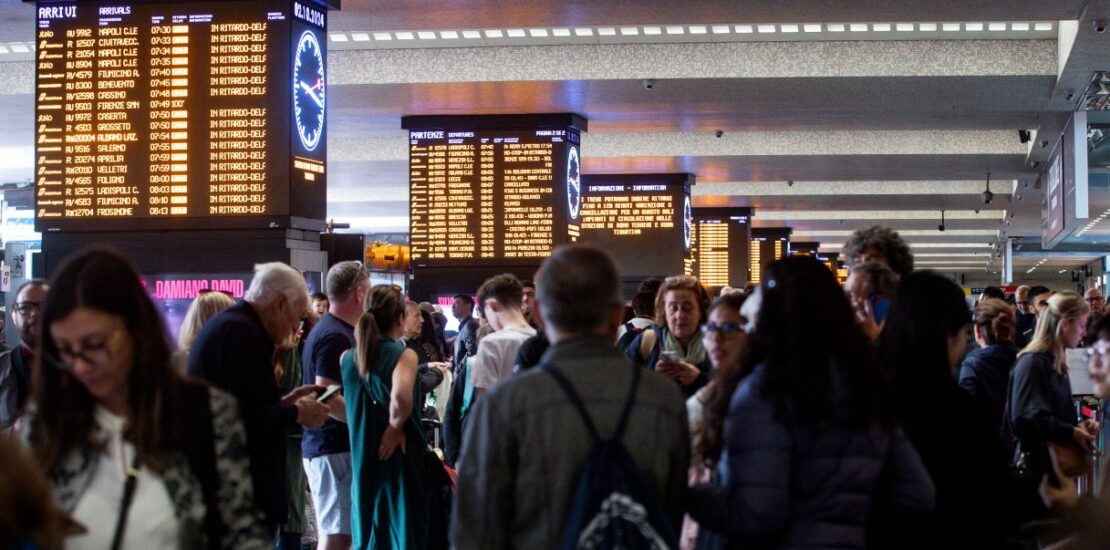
[(244, 525)]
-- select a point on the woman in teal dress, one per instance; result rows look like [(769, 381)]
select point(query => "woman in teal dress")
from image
[(379, 382)]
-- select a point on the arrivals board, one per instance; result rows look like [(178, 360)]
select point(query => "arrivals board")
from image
[(482, 193), (643, 220), (171, 115), (722, 239)]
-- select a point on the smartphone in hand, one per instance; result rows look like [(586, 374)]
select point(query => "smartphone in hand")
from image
[(329, 393)]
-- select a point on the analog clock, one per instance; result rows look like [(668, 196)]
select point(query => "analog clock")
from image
[(687, 223), (309, 93), (574, 183)]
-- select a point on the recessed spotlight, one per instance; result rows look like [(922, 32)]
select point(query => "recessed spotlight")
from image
[(335, 37), (744, 29), (835, 27), (607, 31), (1019, 27), (494, 33), (811, 28), (675, 29), (698, 29), (903, 27), (449, 35), (515, 33), (949, 27), (881, 27), (788, 28), (383, 36), (472, 34), (721, 29), (360, 37), (766, 28), (858, 27), (653, 31), (630, 31), (927, 27), (975, 27), (426, 35), (583, 31), (408, 35), (996, 27), (1043, 26), (537, 33)]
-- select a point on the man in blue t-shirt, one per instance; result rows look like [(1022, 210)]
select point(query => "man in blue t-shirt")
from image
[(326, 452)]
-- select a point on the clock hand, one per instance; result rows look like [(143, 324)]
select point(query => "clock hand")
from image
[(311, 91)]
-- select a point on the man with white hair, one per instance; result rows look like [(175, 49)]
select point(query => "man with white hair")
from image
[(234, 352)]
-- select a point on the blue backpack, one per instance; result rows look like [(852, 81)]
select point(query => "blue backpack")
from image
[(614, 505)]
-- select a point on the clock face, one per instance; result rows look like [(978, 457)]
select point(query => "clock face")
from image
[(309, 97), (687, 222), (574, 183)]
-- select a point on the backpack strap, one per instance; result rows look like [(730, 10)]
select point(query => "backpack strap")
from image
[(576, 400)]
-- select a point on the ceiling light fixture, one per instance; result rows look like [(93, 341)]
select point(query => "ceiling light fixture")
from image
[(409, 36), (335, 37), (697, 29), (449, 35), (1022, 27), (561, 33), (835, 27), (360, 37), (426, 35), (1042, 26), (383, 36), (949, 27), (494, 34), (858, 27), (927, 27), (537, 33), (606, 31), (630, 31), (472, 34), (974, 27), (744, 29), (721, 29), (881, 27), (675, 29), (903, 27), (811, 28), (515, 33), (652, 31), (788, 28), (996, 27), (766, 28)]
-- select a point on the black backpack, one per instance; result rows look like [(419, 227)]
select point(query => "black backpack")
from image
[(614, 505), (630, 333)]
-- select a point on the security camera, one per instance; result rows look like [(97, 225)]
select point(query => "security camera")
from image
[(940, 227), (1035, 164), (1099, 26), (1045, 142), (790, 183), (719, 133), (976, 210), (649, 83), (987, 196)]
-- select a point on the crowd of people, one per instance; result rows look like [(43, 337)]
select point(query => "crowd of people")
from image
[(796, 413)]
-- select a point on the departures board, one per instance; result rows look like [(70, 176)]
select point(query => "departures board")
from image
[(179, 115), (482, 193)]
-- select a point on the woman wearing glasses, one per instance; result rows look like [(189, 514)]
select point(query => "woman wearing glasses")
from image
[(807, 446), (136, 455)]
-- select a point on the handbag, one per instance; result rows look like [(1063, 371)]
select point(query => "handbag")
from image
[(125, 502), (1071, 459)]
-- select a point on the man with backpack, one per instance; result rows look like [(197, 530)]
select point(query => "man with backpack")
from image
[(585, 448)]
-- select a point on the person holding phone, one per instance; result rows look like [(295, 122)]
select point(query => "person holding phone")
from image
[(673, 346), (870, 287)]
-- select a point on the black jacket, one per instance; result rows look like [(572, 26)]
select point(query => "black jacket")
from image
[(466, 345), (233, 352), (985, 375), (1041, 408)]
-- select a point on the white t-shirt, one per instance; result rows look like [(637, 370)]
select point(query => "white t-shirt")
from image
[(497, 354), (150, 520)]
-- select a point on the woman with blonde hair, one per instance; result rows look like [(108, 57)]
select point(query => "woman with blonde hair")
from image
[(204, 307), (673, 346), (1041, 413)]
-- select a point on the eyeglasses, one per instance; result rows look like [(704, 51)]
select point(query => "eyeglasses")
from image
[(95, 353), (1100, 352), (724, 329), (1095, 299), (24, 308)]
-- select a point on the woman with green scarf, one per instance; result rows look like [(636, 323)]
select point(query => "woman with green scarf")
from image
[(673, 346)]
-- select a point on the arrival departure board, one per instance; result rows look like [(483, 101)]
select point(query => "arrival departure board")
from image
[(484, 195), (643, 220), (768, 245), (157, 115), (722, 239)]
